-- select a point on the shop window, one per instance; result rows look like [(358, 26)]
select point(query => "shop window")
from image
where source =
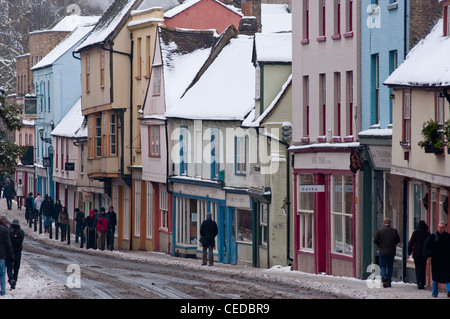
[(342, 214), (244, 224), (263, 221), (305, 211)]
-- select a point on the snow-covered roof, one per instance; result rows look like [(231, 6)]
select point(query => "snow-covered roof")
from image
[(225, 91), (65, 45), (71, 124), (109, 22), (276, 18), (183, 54), (189, 3), (427, 64), (70, 23), (273, 47)]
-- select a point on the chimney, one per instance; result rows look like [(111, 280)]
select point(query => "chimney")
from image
[(251, 8)]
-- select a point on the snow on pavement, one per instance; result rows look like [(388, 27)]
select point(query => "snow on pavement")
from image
[(32, 285)]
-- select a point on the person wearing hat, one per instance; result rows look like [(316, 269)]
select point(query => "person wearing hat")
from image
[(208, 232), (13, 265), (6, 252)]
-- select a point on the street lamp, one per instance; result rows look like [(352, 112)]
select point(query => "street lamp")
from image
[(47, 140)]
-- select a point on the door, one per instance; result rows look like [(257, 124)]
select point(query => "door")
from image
[(227, 235)]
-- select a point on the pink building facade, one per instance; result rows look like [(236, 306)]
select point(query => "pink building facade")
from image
[(203, 14), (326, 116)]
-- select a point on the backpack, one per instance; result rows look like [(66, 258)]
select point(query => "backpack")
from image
[(16, 239)]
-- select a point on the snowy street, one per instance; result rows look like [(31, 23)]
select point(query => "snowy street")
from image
[(44, 274)]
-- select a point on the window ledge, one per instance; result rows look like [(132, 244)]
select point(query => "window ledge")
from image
[(336, 36), (321, 38), (392, 6), (305, 41), (348, 34)]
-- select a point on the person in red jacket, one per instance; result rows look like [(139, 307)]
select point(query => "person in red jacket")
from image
[(102, 228)]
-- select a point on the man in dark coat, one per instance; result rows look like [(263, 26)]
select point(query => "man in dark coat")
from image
[(47, 212), (415, 248), (13, 265), (386, 238), (6, 252), (208, 232), (9, 193), (437, 246)]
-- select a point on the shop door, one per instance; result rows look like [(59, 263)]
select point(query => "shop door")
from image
[(228, 253)]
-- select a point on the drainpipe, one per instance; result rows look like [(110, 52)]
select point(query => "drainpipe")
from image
[(130, 56)]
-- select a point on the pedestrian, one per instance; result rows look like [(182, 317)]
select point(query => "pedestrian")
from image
[(112, 217), (47, 212), (13, 265), (415, 248), (208, 232), (437, 246), (90, 230), (102, 228), (80, 223), (29, 208), (55, 216), (38, 202), (63, 221), (20, 193), (386, 238), (6, 252), (9, 193)]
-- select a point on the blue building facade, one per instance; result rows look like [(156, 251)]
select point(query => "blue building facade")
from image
[(57, 86), (384, 44)]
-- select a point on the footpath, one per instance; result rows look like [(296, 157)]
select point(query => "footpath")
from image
[(32, 285)]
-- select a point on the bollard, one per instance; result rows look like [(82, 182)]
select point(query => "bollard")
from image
[(35, 221), (50, 230), (57, 231), (40, 223), (68, 234)]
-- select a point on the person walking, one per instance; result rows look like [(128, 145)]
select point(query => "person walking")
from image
[(9, 193), (208, 232), (47, 212), (29, 208), (90, 230), (415, 248), (80, 223), (102, 229), (6, 252), (20, 193), (112, 222), (386, 238), (437, 246), (63, 221), (13, 265), (55, 216)]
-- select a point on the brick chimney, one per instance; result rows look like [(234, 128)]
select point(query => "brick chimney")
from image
[(251, 8)]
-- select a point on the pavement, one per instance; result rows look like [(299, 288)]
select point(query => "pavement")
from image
[(337, 287)]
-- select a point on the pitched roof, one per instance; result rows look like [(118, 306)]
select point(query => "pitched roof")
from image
[(183, 54), (225, 90), (71, 125), (110, 23), (273, 47), (427, 64), (64, 46)]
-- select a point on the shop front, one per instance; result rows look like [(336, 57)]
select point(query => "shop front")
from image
[(325, 210)]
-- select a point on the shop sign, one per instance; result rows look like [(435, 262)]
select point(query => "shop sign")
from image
[(311, 188)]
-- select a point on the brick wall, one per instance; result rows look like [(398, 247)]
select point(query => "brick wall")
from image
[(41, 43), (423, 16), (23, 84)]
